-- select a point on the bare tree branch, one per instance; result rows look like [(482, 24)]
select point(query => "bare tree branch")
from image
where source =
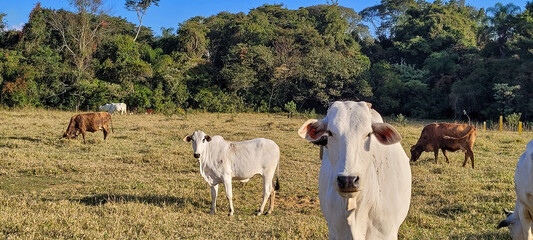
[(140, 7)]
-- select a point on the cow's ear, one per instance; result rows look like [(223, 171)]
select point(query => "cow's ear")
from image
[(504, 223), (385, 133), (313, 130), (208, 138), (188, 138), (511, 219)]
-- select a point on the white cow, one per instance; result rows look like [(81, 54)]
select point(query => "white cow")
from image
[(365, 177), (520, 222), (120, 107), (222, 161), (107, 108), (114, 107)]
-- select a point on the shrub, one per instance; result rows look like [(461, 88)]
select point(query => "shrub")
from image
[(513, 119), (140, 98), (290, 107), (401, 119)]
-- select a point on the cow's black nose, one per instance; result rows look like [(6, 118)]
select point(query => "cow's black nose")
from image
[(348, 183), (196, 155)]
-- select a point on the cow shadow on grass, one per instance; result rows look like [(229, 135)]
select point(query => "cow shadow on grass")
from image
[(487, 235), (102, 199), (25, 139)]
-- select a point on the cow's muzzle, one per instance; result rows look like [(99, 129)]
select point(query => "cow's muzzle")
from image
[(196, 155), (348, 184)]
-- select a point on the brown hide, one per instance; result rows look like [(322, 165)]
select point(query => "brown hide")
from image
[(88, 122), (446, 137)]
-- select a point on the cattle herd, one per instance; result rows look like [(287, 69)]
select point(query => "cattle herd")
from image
[(365, 176)]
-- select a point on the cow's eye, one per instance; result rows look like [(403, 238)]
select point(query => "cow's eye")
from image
[(203, 140), (323, 141)]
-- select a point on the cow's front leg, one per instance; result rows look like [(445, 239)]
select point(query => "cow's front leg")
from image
[(229, 194), (214, 193), (436, 151)]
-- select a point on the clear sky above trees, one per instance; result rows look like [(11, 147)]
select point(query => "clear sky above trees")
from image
[(170, 12)]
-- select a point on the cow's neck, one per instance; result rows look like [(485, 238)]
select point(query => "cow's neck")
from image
[(212, 153)]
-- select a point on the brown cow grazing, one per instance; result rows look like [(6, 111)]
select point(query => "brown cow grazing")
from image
[(91, 122), (447, 137)]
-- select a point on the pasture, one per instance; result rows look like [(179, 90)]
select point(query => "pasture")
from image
[(143, 182)]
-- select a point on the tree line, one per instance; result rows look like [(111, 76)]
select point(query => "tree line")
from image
[(423, 60)]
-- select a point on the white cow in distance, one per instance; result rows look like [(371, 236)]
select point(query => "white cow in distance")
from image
[(365, 177), (114, 107), (520, 221), (222, 161)]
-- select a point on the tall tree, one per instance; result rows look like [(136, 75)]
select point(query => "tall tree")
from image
[(140, 7), (80, 32), (385, 15), (503, 22)]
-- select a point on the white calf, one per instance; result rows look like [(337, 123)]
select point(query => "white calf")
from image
[(222, 161)]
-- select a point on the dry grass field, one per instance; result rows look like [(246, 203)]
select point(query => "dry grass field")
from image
[(143, 183)]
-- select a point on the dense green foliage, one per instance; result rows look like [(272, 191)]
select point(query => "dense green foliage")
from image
[(426, 60)]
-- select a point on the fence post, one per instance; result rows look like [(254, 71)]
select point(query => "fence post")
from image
[(484, 126), (519, 128), (501, 123)]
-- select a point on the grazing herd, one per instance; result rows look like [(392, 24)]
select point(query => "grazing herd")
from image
[(365, 176)]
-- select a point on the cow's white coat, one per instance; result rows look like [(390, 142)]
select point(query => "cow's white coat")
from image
[(355, 147), (222, 161), (114, 107)]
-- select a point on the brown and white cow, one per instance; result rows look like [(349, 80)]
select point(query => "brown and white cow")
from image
[(88, 122), (447, 137)]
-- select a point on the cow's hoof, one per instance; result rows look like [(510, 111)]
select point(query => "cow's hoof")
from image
[(230, 214), (258, 213), (212, 212)]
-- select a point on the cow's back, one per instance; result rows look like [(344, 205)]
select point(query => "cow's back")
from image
[(458, 134), (253, 156), (93, 121), (453, 130)]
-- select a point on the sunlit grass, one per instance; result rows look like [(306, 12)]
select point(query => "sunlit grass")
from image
[(144, 183)]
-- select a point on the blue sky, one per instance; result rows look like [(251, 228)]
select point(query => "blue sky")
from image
[(170, 13)]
